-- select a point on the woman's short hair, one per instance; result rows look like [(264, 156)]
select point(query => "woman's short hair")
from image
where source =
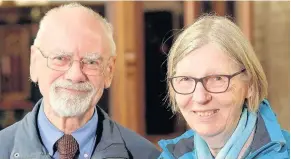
[(222, 31)]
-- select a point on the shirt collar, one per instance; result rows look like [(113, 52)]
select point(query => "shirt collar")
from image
[(50, 134), (86, 133)]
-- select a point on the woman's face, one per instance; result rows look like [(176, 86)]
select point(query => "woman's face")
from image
[(211, 114)]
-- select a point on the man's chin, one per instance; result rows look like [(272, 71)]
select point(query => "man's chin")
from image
[(65, 105), (68, 96), (69, 113)]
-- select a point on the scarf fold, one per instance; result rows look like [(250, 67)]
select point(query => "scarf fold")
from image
[(234, 144)]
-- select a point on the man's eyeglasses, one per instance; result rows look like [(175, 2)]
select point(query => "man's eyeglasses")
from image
[(213, 84), (63, 62)]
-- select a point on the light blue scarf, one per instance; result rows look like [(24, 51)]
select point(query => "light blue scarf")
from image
[(235, 143)]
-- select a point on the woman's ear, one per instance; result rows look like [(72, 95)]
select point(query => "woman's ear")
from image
[(33, 64), (250, 91)]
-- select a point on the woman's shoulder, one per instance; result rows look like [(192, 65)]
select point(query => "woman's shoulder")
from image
[(286, 135), (268, 135), (178, 147)]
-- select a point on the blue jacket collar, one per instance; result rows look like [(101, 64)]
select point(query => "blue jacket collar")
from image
[(268, 132), (271, 122)]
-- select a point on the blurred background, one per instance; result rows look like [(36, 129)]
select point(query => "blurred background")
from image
[(144, 33)]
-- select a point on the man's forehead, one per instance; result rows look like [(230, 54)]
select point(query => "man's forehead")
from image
[(67, 23), (70, 39), (74, 30)]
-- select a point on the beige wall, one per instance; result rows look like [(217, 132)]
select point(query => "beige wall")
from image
[(271, 39)]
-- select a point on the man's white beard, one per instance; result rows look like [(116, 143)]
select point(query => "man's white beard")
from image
[(65, 104)]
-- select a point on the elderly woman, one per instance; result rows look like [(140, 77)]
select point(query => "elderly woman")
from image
[(217, 83)]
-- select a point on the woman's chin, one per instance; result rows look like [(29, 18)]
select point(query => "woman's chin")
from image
[(207, 132)]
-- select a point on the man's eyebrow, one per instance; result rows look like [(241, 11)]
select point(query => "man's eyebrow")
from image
[(92, 56)]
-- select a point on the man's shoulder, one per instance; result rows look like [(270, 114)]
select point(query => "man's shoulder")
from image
[(8, 132), (132, 136), (136, 143), (7, 137)]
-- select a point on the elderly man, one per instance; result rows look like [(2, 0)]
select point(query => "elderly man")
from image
[(72, 60)]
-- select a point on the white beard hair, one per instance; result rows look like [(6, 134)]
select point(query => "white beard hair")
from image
[(66, 105)]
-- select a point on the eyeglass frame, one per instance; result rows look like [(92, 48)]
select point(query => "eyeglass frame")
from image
[(71, 63), (229, 77)]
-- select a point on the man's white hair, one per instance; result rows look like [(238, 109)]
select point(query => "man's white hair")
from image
[(106, 25)]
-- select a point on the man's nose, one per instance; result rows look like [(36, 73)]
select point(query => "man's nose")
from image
[(75, 73)]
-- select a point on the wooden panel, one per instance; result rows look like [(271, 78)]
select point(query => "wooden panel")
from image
[(14, 58), (219, 7), (127, 92), (244, 12), (17, 104), (192, 11)]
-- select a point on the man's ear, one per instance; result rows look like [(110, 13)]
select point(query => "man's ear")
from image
[(109, 71), (33, 64)]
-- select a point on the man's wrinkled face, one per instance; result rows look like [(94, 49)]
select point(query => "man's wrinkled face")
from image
[(76, 64)]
